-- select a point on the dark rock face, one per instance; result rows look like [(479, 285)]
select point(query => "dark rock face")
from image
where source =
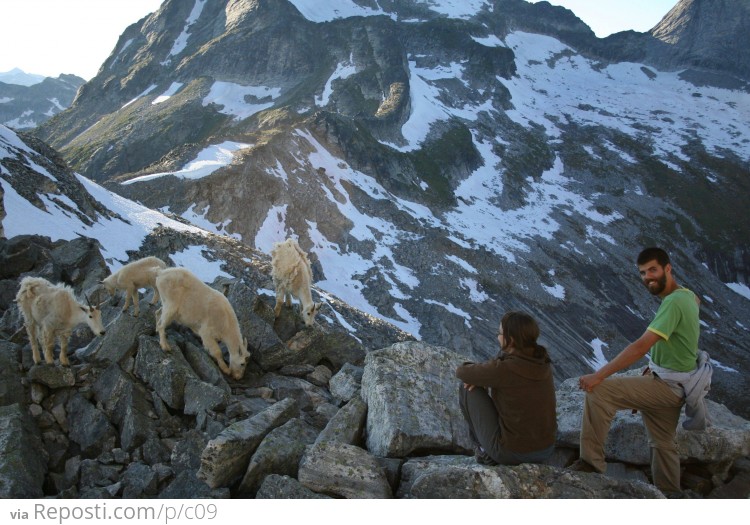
[(708, 34), (22, 466)]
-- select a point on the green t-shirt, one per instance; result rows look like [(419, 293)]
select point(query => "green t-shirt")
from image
[(676, 322)]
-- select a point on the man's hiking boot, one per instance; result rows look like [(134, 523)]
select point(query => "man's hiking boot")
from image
[(483, 458), (580, 465)]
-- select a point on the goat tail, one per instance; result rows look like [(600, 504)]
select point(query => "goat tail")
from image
[(31, 287)]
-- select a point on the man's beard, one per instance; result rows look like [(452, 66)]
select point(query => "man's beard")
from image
[(658, 285)]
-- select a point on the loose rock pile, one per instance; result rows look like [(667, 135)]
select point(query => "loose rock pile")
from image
[(317, 414)]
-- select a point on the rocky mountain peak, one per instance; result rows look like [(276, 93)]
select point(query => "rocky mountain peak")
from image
[(713, 34)]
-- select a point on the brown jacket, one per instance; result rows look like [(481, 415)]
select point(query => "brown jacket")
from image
[(523, 391)]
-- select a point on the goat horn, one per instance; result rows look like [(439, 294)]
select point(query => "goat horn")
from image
[(87, 300)]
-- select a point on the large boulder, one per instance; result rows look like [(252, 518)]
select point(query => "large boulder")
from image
[(23, 462), (727, 439), (81, 263), (226, 457), (343, 470), (26, 253), (278, 453), (412, 397)]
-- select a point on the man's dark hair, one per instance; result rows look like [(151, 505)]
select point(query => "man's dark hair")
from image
[(653, 254)]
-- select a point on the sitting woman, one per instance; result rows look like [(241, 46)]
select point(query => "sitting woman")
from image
[(509, 401)]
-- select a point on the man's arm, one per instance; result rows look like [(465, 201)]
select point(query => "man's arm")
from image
[(632, 353)]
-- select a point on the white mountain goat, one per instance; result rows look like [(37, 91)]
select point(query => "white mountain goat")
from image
[(187, 300), (51, 310), (135, 275), (292, 275)]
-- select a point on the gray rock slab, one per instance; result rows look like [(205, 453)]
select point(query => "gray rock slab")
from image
[(52, 376), (186, 454), (412, 396), (201, 397), (90, 427), (227, 456), (122, 336), (139, 481), (346, 383), (343, 470), (279, 453), (23, 462), (461, 477), (308, 396), (205, 367), (126, 402), (166, 373), (187, 485), (277, 486), (348, 425), (10, 375)]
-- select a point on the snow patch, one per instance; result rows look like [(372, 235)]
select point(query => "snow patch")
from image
[(208, 161), (598, 360), (232, 97), (174, 88)]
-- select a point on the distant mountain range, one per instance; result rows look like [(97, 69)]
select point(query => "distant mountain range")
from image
[(27, 100), (443, 162), (20, 77)]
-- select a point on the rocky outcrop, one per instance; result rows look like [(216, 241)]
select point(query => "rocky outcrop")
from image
[(121, 427)]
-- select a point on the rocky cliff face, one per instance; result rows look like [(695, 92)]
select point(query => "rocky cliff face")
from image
[(23, 106), (709, 34), (444, 163)]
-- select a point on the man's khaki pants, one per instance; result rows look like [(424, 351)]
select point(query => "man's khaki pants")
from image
[(660, 408)]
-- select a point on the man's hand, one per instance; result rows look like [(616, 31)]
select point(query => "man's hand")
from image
[(468, 387), (588, 382)]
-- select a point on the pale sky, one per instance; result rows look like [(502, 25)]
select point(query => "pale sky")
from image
[(49, 37)]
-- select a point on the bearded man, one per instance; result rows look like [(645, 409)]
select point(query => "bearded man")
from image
[(671, 340)]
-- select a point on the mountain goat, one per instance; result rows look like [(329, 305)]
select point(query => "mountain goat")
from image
[(187, 300), (292, 276), (135, 275), (51, 310)]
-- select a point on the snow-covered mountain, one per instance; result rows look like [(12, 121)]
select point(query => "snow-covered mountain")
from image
[(42, 197), (445, 161), (28, 100)]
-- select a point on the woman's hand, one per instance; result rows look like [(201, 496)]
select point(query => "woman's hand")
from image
[(468, 387)]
